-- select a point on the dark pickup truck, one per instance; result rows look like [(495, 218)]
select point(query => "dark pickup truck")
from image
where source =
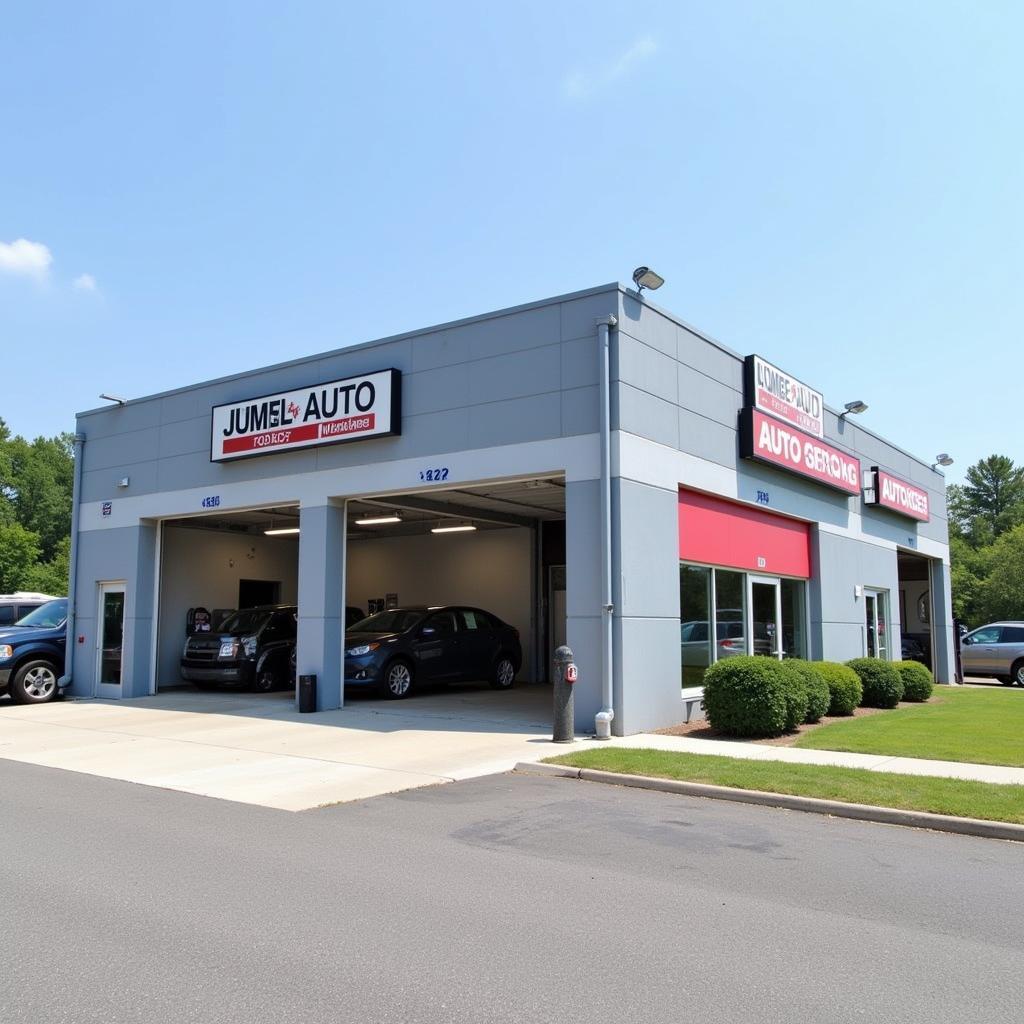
[(32, 653)]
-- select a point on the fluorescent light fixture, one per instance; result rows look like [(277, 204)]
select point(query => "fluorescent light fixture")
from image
[(454, 528), (281, 531), (644, 277), (943, 460), (378, 520), (113, 398)]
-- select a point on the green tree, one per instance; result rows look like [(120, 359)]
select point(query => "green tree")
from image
[(51, 577), (1001, 594), (993, 494), (19, 552)]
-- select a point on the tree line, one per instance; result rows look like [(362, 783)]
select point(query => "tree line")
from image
[(36, 480), (986, 542)]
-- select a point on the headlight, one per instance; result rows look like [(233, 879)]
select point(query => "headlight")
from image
[(6, 651), (355, 652), (228, 649), (249, 646)]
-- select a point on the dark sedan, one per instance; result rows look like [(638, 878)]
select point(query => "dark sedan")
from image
[(397, 649)]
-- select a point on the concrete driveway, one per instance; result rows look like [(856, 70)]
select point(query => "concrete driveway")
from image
[(257, 749)]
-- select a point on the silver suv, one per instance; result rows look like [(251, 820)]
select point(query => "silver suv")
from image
[(995, 650)]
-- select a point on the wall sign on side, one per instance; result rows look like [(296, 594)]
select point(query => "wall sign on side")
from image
[(774, 391), (343, 410), (765, 439), (898, 496)]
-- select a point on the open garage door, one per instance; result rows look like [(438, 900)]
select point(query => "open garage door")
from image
[(487, 561), (228, 591)]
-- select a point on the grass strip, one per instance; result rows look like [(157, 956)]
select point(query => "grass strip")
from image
[(961, 798), (973, 726)]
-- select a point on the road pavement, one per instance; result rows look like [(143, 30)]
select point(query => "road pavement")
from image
[(506, 899)]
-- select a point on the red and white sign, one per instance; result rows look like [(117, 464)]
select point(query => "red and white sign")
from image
[(893, 493), (342, 410), (773, 391), (767, 440)]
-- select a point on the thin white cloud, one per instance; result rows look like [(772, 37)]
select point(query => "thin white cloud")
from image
[(84, 283), (581, 84), (25, 258)]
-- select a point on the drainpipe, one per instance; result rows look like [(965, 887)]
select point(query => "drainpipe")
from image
[(603, 719), (76, 490)]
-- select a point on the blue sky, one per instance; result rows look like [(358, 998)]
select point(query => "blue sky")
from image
[(205, 188)]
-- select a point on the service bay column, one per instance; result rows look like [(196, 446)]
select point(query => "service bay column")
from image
[(322, 600)]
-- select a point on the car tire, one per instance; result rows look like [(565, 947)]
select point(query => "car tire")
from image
[(1017, 672), (396, 683), (265, 680), (503, 674), (35, 682)]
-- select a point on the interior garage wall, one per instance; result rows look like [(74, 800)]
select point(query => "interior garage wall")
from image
[(203, 567), (489, 569)]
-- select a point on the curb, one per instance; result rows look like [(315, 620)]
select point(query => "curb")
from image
[(860, 812)]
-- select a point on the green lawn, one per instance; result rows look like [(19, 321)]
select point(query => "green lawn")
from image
[(978, 726), (849, 785)]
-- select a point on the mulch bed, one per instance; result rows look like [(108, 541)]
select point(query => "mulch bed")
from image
[(702, 731)]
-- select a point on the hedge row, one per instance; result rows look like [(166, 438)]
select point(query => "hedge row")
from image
[(754, 696)]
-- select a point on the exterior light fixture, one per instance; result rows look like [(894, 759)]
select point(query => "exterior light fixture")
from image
[(378, 520), (113, 398), (281, 531), (454, 528), (644, 277), (943, 460), (853, 407)]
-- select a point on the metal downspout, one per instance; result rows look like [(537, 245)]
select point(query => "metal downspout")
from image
[(603, 719), (76, 488)]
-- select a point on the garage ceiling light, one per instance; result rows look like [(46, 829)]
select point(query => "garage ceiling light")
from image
[(454, 528), (378, 520), (281, 531)]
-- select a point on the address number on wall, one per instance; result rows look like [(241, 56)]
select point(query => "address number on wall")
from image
[(436, 475), (211, 501)]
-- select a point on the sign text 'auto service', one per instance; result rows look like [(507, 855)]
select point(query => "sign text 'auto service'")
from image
[(771, 390), (893, 493), (342, 410), (767, 440)]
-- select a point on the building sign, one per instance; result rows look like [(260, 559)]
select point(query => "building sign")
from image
[(767, 440), (342, 410), (899, 496), (771, 390)]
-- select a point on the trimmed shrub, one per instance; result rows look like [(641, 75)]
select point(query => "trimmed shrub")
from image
[(843, 685), (753, 696), (883, 685), (818, 696), (917, 681)]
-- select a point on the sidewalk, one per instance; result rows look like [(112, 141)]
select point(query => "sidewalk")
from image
[(791, 755)]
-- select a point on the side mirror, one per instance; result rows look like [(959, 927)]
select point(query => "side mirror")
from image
[(966, 640)]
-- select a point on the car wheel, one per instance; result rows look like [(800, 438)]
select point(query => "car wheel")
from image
[(266, 680), (503, 675), (397, 680), (35, 682), (1017, 672)]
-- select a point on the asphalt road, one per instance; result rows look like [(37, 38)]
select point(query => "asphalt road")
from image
[(506, 899)]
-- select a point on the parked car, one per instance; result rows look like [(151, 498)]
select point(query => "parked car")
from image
[(693, 641), (250, 650), (398, 649), (32, 653), (995, 650), (17, 605), (912, 649)]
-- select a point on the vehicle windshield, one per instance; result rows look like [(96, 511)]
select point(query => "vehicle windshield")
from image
[(46, 616), (247, 620), (397, 620)]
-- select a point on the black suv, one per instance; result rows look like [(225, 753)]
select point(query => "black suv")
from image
[(252, 649), (32, 653)]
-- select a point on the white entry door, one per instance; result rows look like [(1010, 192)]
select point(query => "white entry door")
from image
[(764, 612), (109, 639)]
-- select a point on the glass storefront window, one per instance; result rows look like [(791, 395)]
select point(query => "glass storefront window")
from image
[(695, 623), (730, 614)]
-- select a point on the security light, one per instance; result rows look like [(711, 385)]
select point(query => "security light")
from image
[(379, 520), (454, 528), (942, 460), (281, 531), (855, 407), (644, 277), (113, 398)]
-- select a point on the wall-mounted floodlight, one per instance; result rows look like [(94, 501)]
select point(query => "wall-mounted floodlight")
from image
[(943, 460), (644, 277), (853, 407), (113, 398), (454, 528), (378, 520), (281, 531)]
